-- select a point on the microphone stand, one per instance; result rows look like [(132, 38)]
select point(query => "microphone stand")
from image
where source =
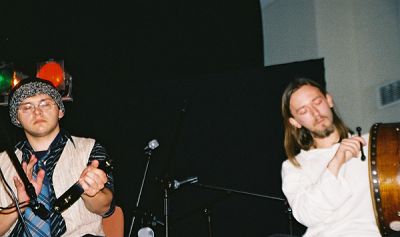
[(166, 206), (206, 209), (207, 212), (172, 185), (171, 155), (148, 151)]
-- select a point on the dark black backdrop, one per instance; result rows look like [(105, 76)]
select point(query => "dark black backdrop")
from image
[(134, 66)]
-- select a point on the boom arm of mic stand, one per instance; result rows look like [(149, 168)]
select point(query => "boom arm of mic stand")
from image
[(229, 191)]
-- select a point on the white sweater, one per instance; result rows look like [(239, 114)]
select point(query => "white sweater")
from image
[(329, 205)]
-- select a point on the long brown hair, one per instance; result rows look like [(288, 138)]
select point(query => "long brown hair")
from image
[(296, 139)]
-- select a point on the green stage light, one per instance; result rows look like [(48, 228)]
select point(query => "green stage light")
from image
[(6, 76)]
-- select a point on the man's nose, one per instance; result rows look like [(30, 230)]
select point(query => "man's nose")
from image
[(37, 109), (314, 111)]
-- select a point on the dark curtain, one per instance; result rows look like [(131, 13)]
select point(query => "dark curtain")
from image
[(230, 136), (134, 67)]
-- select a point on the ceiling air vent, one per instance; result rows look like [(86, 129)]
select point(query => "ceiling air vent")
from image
[(389, 94)]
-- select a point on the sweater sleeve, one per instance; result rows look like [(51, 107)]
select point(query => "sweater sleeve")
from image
[(313, 192)]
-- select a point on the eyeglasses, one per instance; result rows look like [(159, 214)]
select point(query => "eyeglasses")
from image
[(43, 105)]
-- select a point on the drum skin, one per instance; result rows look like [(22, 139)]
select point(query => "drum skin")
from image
[(384, 171)]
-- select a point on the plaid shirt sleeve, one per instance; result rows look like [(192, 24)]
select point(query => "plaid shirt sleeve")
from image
[(99, 153)]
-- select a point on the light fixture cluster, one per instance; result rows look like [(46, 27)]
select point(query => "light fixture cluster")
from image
[(51, 70)]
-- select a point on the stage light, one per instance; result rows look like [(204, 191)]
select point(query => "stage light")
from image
[(52, 71), (8, 79), (6, 75), (17, 77)]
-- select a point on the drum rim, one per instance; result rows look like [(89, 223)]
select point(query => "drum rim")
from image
[(374, 179), (376, 174)]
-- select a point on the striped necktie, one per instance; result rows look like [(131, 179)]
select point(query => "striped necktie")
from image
[(36, 226), (47, 160), (55, 224)]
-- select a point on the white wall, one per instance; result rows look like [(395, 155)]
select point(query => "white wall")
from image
[(358, 39), (286, 39)]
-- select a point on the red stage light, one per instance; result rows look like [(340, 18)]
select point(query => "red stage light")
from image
[(53, 72)]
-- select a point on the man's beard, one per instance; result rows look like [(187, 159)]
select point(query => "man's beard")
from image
[(323, 133)]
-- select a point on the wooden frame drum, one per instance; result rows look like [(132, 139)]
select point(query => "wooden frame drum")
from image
[(384, 171)]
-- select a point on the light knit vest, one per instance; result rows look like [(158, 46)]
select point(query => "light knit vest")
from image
[(73, 160)]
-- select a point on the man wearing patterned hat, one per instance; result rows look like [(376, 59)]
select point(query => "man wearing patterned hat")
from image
[(53, 161)]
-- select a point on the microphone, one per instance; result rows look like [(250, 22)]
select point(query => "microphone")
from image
[(175, 184), (153, 144)]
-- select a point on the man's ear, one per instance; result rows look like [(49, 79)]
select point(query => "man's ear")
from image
[(294, 122), (329, 99), (60, 114)]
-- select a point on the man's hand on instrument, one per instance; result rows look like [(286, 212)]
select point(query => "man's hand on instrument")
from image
[(349, 148), (37, 182), (92, 179)]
